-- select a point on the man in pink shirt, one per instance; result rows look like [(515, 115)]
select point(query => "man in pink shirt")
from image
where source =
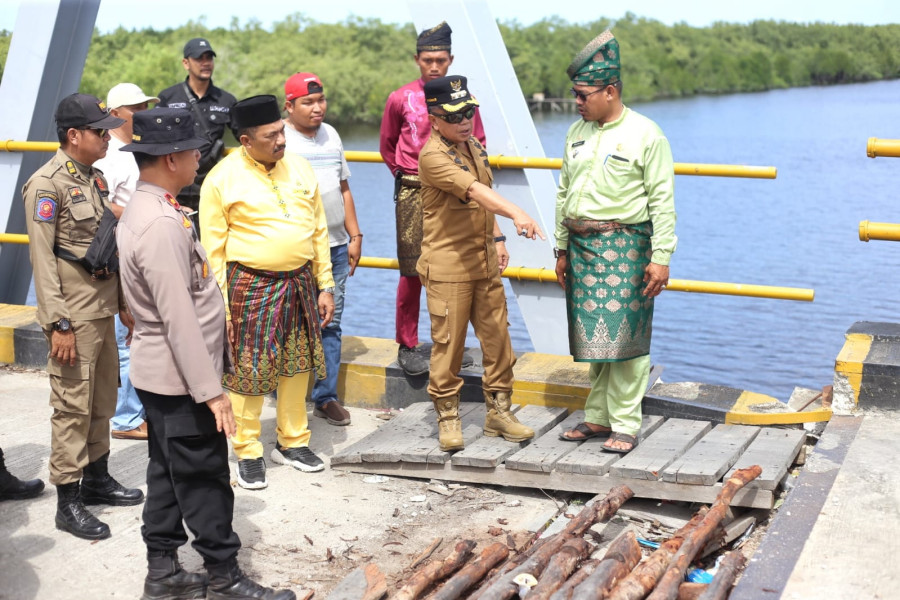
[(404, 131)]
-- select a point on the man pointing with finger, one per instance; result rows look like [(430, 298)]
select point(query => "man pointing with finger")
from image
[(615, 234)]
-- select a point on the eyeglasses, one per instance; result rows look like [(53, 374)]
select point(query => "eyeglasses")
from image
[(101, 133), (457, 118), (582, 96)]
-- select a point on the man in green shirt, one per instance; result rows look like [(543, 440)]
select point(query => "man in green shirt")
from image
[(615, 234)]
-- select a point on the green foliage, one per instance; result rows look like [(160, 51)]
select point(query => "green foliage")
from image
[(362, 60)]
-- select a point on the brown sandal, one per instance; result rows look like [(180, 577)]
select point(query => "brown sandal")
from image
[(586, 432), (620, 437)]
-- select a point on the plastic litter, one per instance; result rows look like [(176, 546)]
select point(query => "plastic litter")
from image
[(525, 581), (375, 479)]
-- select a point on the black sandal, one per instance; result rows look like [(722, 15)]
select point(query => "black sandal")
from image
[(584, 430), (621, 437)]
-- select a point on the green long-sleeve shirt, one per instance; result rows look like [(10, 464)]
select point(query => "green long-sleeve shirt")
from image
[(620, 172)]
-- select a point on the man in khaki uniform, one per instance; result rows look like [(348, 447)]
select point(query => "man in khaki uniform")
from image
[(64, 201), (463, 254)]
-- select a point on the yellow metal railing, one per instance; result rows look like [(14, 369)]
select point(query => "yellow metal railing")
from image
[(497, 161), (876, 148), (879, 231)]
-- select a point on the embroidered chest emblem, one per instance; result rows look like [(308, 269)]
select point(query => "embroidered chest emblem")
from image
[(76, 195)]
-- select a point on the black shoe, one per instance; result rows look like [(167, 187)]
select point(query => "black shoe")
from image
[(226, 581), (166, 580), (99, 487), (13, 488), (411, 361), (72, 516), (301, 458), (252, 473)]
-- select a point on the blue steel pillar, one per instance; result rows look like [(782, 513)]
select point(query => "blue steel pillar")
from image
[(45, 61)]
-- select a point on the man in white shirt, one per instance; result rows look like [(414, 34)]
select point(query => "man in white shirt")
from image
[(121, 172)]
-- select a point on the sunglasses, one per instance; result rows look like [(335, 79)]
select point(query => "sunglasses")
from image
[(457, 118), (101, 133), (582, 96)]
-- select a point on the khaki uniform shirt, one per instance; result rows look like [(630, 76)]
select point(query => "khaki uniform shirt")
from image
[(458, 241), (64, 201), (179, 338)]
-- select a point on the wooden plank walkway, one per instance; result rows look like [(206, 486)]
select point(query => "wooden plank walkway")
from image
[(676, 459)]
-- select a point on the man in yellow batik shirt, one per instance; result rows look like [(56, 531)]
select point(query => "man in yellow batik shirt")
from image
[(264, 228)]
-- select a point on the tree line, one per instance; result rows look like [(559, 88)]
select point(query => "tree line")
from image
[(362, 60)]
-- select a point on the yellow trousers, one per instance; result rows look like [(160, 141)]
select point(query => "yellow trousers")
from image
[(292, 427)]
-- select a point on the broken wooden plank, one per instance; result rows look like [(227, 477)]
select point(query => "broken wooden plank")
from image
[(774, 450), (543, 452), (588, 458), (660, 449), (363, 583), (707, 460), (488, 452)]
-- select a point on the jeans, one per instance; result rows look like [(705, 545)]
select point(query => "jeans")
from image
[(129, 410), (325, 390)]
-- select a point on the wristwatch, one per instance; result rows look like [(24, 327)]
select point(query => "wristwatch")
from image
[(62, 325), (557, 252), (328, 290)]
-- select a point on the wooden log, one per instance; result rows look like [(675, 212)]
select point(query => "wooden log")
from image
[(566, 589), (472, 573), (621, 557), (691, 591), (427, 552), (643, 578), (504, 588), (363, 583), (724, 578), (432, 572), (561, 566), (599, 510), (667, 588)]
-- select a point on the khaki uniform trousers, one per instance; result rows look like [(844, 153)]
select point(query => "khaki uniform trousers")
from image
[(452, 306), (83, 398)]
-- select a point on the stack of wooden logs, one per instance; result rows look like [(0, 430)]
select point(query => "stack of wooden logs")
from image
[(560, 567)]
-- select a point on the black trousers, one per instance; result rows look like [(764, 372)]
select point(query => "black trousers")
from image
[(188, 481)]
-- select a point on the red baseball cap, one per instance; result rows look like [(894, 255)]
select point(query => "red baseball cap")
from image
[(302, 84)]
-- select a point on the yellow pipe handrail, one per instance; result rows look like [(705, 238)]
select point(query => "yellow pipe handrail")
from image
[(13, 238), (876, 148), (497, 161), (879, 231), (675, 285)]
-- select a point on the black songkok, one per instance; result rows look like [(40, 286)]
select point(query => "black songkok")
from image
[(255, 111), (434, 39)]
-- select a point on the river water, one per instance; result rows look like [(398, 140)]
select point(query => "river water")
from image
[(799, 230)]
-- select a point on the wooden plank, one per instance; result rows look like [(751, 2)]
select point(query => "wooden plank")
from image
[(387, 431), (774, 450), (571, 482), (589, 458), (543, 452), (712, 456), (425, 447), (488, 452), (420, 425), (660, 449)]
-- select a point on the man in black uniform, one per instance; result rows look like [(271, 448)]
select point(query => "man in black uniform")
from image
[(178, 356), (209, 106)]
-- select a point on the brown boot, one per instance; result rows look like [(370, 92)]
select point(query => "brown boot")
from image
[(449, 425), (499, 421)]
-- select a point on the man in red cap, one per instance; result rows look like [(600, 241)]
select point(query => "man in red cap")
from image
[(404, 131), (307, 135)]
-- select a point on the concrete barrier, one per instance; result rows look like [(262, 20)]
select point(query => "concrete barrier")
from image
[(867, 370)]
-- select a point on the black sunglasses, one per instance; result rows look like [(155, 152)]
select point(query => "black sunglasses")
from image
[(100, 132), (457, 118), (582, 96)]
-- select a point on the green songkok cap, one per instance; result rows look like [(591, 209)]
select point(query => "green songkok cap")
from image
[(598, 62)]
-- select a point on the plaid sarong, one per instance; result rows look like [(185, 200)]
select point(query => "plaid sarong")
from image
[(609, 320), (408, 210), (276, 324)]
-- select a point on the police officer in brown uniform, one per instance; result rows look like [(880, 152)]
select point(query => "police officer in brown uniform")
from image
[(180, 352), (64, 202), (463, 254)]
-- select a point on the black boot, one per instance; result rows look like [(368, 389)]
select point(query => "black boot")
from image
[(99, 487), (72, 516), (227, 581), (166, 580), (13, 488)]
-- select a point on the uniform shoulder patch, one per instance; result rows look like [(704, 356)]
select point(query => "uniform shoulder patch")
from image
[(45, 207), (76, 195)]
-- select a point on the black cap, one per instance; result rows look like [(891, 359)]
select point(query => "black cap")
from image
[(255, 111), (197, 47), (450, 93), (84, 110), (434, 39), (163, 130)]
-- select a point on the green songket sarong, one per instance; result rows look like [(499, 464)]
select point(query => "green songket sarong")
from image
[(609, 319)]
